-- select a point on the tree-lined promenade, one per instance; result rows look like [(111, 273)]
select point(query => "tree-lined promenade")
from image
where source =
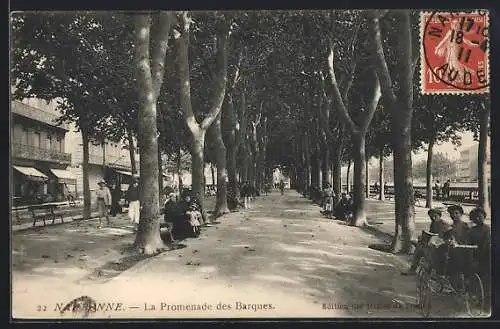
[(305, 91), (281, 252)]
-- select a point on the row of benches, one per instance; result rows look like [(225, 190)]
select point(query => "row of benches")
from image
[(44, 213)]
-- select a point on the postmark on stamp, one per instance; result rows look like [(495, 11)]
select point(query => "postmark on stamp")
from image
[(454, 52)]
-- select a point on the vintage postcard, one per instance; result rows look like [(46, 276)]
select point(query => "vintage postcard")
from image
[(250, 164)]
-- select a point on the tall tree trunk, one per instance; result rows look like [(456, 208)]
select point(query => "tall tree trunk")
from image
[(212, 172), (219, 80), (337, 178), (358, 131), (484, 197), (401, 129), (401, 107), (347, 176), (403, 189), (337, 165), (327, 168), (198, 165), (381, 175), (221, 207), (263, 170), (308, 166), (85, 169), (179, 168), (367, 172), (233, 141), (131, 150), (232, 176), (245, 159), (428, 175), (359, 218), (149, 73), (319, 170), (160, 178)]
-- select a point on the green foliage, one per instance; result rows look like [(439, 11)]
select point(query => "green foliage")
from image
[(86, 61), (442, 167)]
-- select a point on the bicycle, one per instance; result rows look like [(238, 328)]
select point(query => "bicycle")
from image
[(455, 277)]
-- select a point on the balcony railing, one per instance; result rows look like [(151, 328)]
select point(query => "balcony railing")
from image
[(122, 162), (36, 153)]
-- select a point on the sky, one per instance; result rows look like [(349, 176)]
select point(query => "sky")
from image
[(452, 151)]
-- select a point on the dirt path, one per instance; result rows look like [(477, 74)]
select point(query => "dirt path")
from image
[(278, 259)]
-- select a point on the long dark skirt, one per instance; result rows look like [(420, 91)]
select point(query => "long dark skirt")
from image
[(182, 229)]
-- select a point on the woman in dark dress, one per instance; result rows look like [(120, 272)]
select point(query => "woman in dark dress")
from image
[(115, 199)]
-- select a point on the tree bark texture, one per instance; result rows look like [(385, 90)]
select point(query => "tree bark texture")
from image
[(401, 107), (85, 169), (484, 197), (381, 175), (131, 150), (198, 130), (149, 73), (347, 176), (367, 172), (358, 131), (428, 175), (359, 216), (221, 206)]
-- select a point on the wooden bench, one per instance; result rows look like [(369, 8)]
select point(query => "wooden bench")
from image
[(451, 203), (44, 213)]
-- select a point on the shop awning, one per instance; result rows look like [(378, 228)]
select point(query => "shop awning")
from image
[(123, 172), (64, 176), (31, 173)]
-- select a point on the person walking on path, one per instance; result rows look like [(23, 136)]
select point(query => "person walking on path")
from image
[(134, 205), (103, 202), (437, 187), (282, 187), (245, 194)]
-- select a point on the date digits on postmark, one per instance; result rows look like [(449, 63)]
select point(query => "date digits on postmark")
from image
[(454, 52)]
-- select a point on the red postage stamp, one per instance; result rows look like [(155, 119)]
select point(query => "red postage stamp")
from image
[(454, 52)]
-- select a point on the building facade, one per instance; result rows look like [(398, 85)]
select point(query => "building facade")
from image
[(468, 163), (42, 145), (39, 158), (108, 161)]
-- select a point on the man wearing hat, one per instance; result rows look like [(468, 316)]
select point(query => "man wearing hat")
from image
[(459, 227), (103, 202), (437, 227), (134, 206)]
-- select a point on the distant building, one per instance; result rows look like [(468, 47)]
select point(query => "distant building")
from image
[(40, 164), (108, 161), (468, 163)]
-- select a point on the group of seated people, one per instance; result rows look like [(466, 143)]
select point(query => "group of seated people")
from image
[(184, 217), (458, 233), (342, 209)]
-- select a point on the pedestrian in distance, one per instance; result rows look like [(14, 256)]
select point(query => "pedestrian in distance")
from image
[(115, 199), (446, 190), (134, 206), (245, 194), (282, 187), (103, 202), (437, 188)]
